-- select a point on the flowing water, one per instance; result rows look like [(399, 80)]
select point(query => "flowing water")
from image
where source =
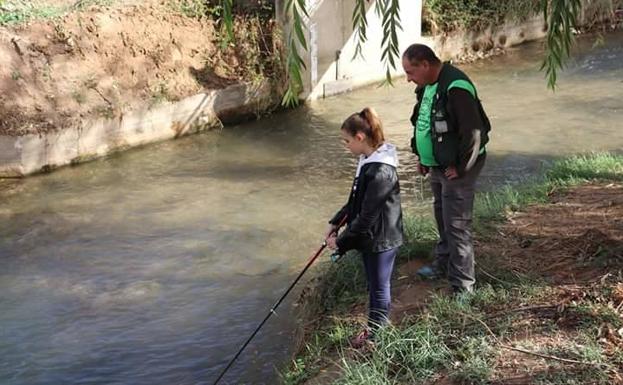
[(152, 266)]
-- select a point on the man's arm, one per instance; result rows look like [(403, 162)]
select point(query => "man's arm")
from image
[(465, 110)]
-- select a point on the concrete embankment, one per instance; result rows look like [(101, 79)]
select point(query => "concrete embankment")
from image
[(32, 153)]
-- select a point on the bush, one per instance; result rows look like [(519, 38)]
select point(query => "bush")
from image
[(442, 16)]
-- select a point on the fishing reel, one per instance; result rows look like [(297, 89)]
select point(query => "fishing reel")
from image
[(336, 256)]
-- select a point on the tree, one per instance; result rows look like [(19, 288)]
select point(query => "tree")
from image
[(560, 17)]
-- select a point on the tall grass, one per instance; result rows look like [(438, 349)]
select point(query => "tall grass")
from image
[(582, 168), (494, 206)]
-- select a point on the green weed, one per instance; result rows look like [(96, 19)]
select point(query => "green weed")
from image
[(450, 15), (20, 11)]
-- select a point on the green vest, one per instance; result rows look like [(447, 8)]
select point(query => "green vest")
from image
[(440, 146)]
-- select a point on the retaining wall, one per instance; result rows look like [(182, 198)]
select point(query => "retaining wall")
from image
[(23, 155)]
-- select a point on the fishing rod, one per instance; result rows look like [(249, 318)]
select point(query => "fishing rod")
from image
[(274, 307)]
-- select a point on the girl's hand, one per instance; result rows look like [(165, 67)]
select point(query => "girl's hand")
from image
[(330, 230), (331, 242)]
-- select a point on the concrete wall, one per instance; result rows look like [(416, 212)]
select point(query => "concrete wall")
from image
[(470, 45), (23, 155)]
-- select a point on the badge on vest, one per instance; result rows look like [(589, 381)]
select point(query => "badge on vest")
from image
[(440, 123)]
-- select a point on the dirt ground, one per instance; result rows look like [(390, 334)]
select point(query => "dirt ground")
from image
[(574, 243), (102, 61), (574, 240)]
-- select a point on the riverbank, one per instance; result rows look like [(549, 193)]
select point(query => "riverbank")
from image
[(548, 308), (83, 80), (63, 64)]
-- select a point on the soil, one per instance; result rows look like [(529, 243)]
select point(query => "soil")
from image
[(574, 243), (102, 61), (575, 239)]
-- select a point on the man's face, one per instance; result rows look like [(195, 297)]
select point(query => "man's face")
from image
[(416, 72)]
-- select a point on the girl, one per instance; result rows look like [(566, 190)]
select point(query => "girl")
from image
[(373, 212)]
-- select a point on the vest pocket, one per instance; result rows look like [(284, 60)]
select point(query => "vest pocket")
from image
[(446, 149)]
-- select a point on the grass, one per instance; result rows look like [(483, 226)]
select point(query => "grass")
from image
[(462, 338), (442, 16), (492, 207), (21, 11)]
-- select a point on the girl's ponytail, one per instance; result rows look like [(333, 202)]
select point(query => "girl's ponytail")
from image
[(368, 122), (376, 128)]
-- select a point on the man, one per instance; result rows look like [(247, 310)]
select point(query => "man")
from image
[(450, 133)]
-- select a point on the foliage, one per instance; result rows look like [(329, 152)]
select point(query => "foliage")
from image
[(595, 166), (294, 62), (195, 8), (561, 16), (389, 10), (20, 11), (449, 15), (254, 54), (360, 25), (249, 43), (494, 206)]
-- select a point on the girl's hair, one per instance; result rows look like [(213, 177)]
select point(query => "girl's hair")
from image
[(367, 122)]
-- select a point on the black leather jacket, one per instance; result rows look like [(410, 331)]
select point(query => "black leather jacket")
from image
[(374, 221)]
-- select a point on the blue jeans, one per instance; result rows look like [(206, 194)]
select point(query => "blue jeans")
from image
[(379, 267)]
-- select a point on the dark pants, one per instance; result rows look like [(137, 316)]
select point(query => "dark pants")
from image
[(453, 205), (379, 268)]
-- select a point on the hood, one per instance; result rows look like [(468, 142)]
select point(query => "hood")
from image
[(386, 153)]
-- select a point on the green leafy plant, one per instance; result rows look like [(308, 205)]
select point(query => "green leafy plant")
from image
[(561, 16)]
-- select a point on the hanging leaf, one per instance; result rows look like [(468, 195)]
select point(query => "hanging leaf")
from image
[(228, 20), (295, 64), (360, 25), (560, 17)]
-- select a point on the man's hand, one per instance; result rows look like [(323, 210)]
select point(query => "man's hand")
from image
[(451, 173), (331, 242), (422, 170)]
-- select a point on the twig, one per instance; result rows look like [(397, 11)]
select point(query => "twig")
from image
[(483, 324), (552, 357), (497, 340), (492, 276), (102, 95), (520, 309), (17, 48)]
